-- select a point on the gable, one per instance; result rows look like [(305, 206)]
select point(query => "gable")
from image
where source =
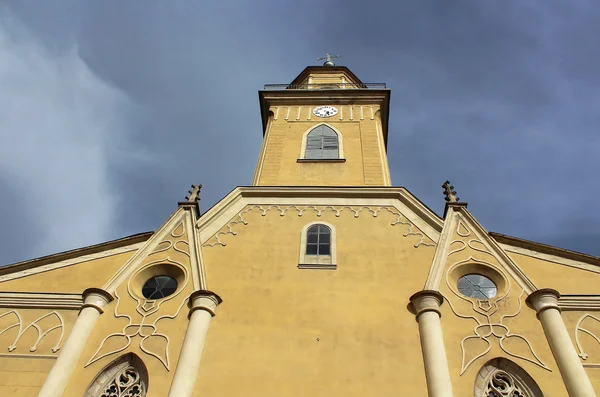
[(71, 271), (327, 75)]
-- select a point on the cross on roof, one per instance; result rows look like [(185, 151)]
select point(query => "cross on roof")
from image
[(328, 59), (450, 193), (194, 194)]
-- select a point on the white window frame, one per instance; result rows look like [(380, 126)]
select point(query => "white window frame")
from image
[(328, 262), (305, 139)]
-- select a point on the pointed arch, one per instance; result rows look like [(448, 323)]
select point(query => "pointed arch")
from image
[(501, 377), (326, 135), (126, 376)]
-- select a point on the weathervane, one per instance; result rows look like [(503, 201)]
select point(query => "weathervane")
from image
[(450, 193), (328, 59)]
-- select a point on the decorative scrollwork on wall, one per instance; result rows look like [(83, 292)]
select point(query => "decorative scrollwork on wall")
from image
[(143, 323), (239, 220), (43, 325), (490, 324), (580, 329)]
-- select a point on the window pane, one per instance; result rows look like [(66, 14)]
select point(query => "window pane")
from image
[(311, 249), (323, 229), (324, 238), (311, 238), (324, 249), (313, 229)]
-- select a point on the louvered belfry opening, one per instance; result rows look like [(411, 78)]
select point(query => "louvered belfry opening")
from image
[(322, 143)]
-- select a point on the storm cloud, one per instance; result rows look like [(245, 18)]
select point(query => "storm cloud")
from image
[(110, 110)]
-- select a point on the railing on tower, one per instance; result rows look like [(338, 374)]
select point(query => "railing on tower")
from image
[(325, 86)]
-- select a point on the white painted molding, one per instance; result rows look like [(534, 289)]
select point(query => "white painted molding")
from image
[(396, 198), (551, 258), (308, 263), (312, 127), (41, 300), (579, 302), (70, 262)]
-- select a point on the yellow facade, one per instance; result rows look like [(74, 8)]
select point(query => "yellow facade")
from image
[(252, 314)]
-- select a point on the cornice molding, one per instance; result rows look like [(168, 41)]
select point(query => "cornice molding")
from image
[(579, 302), (590, 264), (398, 197), (45, 264), (41, 300)]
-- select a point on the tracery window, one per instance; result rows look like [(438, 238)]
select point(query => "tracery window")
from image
[(124, 377), (503, 378), (503, 384), (322, 143), (317, 249)]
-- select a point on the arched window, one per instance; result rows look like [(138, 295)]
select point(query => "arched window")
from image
[(125, 377), (503, 378), (322, 144), (317, 249)]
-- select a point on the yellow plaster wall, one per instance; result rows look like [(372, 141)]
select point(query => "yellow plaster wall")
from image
[(564, 279), (587, 346), (298, 332), (22, 371), (362, 149), (328, 78), (23, 377), (75, 278), (153, 335), (508, 316)]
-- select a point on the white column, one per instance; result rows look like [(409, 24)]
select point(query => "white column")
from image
[(93, 305), (427, 307), (202, 308), (545, 303)]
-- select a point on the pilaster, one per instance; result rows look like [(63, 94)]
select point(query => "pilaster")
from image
[(427, 309), (203, 305), (95, 300), (545, 303)]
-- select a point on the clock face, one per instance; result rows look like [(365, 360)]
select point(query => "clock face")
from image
[(325, 111)]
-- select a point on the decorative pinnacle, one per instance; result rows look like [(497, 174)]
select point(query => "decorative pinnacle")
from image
[(450, 193), (194, 194), (328, 59)]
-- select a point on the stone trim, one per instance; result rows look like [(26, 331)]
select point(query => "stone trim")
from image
[(579, 302), (340, 138), (321, 266), (397, 197), (41, 300), (304, 262), (302, 160), (583, 262), (543, 299), (48, 263)]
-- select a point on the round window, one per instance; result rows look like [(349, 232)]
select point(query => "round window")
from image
[(477, 286), (159, 287)]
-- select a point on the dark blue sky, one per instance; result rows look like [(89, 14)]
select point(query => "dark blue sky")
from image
[(110, 110)]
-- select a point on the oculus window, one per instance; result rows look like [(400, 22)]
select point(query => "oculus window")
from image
[(477, 286), (159, 287)]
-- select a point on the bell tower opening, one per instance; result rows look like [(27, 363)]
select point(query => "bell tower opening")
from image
[(325, 128)]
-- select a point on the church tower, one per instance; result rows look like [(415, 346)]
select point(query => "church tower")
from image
[(325, 128)]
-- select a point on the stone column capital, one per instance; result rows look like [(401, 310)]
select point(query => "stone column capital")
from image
[(543, 299), (96, 298), (427, 301), (204, 300)]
